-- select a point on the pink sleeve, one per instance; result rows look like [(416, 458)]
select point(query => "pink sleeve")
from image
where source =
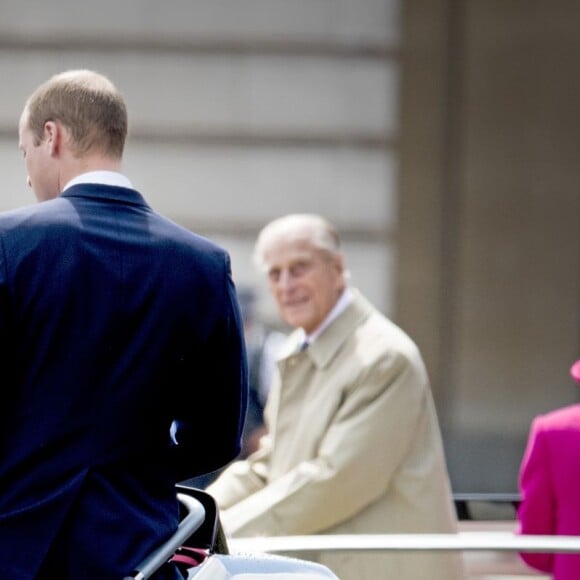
[(537, 511)]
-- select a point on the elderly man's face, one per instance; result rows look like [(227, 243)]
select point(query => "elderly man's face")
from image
[(305, 281)]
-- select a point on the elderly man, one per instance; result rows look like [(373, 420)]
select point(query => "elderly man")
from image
[(121, 339), (353, 443)]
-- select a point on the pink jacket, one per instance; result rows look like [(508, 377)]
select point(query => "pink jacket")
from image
[(550, 487)]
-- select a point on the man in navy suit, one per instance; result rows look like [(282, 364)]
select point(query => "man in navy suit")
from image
[(122, 348)]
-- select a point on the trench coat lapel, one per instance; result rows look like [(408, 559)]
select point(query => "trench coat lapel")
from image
[(324, 349)]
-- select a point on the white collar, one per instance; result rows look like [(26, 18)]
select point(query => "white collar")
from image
[(340, 306), (102, 178)]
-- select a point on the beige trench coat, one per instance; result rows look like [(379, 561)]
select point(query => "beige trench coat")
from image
[(353, 446)]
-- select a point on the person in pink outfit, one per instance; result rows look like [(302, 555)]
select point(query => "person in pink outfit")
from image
[(549, 485)]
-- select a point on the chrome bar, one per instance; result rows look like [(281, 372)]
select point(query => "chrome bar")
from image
[(187, 526)]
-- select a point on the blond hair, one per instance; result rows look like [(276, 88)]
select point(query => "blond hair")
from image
[(88, 105)]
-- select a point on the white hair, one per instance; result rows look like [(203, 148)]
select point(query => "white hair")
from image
[(314, 229)]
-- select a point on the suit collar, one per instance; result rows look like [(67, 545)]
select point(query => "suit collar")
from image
[(101, 192)]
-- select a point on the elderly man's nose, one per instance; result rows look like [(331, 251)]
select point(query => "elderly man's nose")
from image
[(28, 181), (285, 278)]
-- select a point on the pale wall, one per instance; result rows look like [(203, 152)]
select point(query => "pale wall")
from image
[(239, 112)]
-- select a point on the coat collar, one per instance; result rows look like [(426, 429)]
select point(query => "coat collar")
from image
[(323, 350), (101, 192)]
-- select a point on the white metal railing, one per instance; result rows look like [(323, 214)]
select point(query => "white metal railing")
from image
[(462, 541), (187, 526)]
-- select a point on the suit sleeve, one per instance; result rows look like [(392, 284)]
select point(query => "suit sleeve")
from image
[(537, 511), (385, 409), (6, 324), (212, 406)]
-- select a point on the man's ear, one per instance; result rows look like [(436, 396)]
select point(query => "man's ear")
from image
[(53, 135), (339, 262)]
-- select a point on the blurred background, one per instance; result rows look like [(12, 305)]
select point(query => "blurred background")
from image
[(441, 136)]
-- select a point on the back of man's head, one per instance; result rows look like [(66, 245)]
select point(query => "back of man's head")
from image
[(88, 105)]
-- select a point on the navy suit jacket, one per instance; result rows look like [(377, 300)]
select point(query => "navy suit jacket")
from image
[(115, 323)]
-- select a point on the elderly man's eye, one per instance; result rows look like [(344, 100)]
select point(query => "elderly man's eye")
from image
[(299, 269)]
